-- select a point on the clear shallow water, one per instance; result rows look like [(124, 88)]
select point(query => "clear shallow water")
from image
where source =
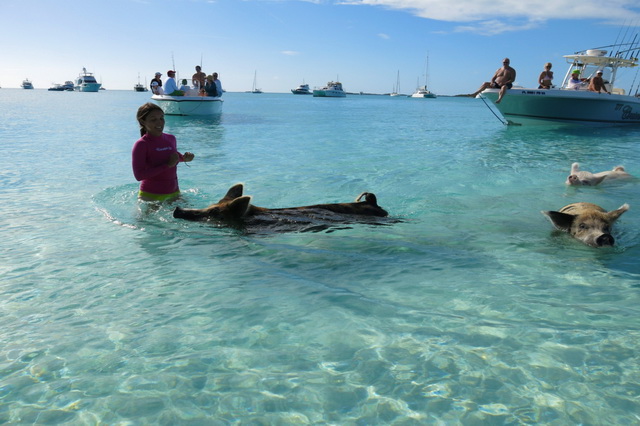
[(470, 311)]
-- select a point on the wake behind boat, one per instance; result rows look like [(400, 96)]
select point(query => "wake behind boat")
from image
[(189, 105), (572, 102)]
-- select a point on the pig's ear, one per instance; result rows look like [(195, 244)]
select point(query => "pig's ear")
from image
[(234, 192), (575, 168), (597, 181), (615, 214), (562, 221), (238, 207)]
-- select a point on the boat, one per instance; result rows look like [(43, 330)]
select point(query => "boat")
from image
[(67, 86), (396, 88), (255, 89), (423, 91), (333, 89), (302, 89), (86, 82), (139, 87), (26, 84), (189, 105), (569, 103)]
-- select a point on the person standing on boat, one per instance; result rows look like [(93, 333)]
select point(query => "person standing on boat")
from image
[(155, 157), (158, 84), (198, 79), (503, 79), (546, 76), (597, 83)]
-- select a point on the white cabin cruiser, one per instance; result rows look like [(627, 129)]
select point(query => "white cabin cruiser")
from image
[(189, 105), (302, 89), (331, 90), (423, 92), (574, 103), (86, 82)]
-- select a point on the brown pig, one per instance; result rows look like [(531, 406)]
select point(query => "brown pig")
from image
[(587, 222), (236, 209)]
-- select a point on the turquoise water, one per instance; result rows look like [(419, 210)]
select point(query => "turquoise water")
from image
[(470, 310)]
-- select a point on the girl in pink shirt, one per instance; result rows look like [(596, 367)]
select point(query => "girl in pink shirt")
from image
[(155, 157)]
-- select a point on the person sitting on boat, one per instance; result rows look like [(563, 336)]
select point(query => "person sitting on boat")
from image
[(503, 79), (185, 88), (171, 87), (156, 89), (546, 76), (597, 83), (211, 88), (218, 83), (576, 83)]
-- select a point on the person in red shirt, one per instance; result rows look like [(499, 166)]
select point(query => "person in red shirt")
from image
[(155, 157)]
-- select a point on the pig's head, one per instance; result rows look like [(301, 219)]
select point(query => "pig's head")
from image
[(232, 207), (587, 222)]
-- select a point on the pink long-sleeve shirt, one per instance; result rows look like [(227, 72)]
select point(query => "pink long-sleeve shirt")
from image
[(149, 159)]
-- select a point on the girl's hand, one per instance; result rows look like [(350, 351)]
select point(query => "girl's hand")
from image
[(173, 160), (188, 156)]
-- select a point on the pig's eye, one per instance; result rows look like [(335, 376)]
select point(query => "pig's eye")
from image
[(582, 226)]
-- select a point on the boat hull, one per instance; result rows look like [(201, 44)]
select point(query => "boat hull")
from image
[(328, 94), (526, 106), (189, 105), (428, 95), (88, 87)]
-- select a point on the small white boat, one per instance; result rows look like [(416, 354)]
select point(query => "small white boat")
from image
[(571, 103), (254, 89), (302, 89), (86, 82), (139, 87), (396, 88), (189, 105), (333, 89), (423, 92), (26, 84)]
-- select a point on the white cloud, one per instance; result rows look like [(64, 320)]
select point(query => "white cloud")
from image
[(495, 16), (384, 36), (290, 52)]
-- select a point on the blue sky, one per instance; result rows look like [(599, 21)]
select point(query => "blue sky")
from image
[(364, 43)]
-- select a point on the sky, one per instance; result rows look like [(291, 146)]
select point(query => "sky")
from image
[(363, 43)]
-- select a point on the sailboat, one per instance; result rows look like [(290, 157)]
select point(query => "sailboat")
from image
[(396, 89), (422, 91), (255, 89)]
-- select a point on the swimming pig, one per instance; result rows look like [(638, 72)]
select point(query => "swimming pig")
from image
[(578, 177), (587, 222), (236, 209)]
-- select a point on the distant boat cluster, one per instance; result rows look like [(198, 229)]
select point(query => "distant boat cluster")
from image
[(85, 82)]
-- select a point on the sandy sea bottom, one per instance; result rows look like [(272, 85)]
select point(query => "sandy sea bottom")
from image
[(464, 307)]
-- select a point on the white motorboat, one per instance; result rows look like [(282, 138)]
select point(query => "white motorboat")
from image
[(333, 89), (574, 103), (26, 84), (189, 105), (86, 82), (302, 89)]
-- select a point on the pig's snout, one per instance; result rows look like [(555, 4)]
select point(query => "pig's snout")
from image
[(605, 240)]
